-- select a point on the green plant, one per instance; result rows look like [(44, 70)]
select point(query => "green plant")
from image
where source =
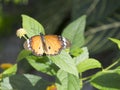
[(66, 68)]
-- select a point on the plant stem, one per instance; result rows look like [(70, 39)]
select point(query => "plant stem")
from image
[(25, 37), (113, 64), (87, 77)]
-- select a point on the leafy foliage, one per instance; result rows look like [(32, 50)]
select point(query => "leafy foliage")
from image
[(74, 32), (64, 64), (67, 81), (102, 21), (31, 26), (64, 61), (107, 80), (66, 68), (88, 64), (30, 82), (116, 41)]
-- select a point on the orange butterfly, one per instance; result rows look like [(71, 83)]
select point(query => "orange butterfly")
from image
[(46, 44)]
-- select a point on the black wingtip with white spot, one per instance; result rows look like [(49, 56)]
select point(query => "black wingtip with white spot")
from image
[(66, 42)]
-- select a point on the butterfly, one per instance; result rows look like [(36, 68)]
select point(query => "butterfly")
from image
[(46, 44)]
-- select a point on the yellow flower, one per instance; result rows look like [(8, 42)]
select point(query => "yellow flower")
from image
[(5, 65), (52, 87), (21, 33)]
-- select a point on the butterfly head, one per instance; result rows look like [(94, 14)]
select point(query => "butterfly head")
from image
[(26, 45)]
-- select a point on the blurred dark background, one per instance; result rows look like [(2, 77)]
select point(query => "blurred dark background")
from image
[(103, 21)]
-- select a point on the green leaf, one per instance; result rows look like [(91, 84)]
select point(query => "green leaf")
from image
[(84, 55), (50, 13), (32, 78), (75, 33), (118, 67), (23, 54), (36, 63), (116, 41), (67, 81), (76, 52), (65, 62), (12, 70), (107, 80), (31, 26), (41, 64), (5, 84), (24, 82), (88, 64)]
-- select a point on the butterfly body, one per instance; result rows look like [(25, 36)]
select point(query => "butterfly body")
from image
[(46, 44)]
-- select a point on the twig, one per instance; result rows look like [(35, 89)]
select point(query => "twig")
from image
[(103, 28), (113, 64), (92, 7)]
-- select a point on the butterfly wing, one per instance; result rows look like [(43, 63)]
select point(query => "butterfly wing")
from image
[(36, 45), (53, 44), (48, 44)]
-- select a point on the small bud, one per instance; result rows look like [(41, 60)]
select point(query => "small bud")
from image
[(21, 33)]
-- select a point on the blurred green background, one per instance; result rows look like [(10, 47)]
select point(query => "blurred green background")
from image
[(103, 21)]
